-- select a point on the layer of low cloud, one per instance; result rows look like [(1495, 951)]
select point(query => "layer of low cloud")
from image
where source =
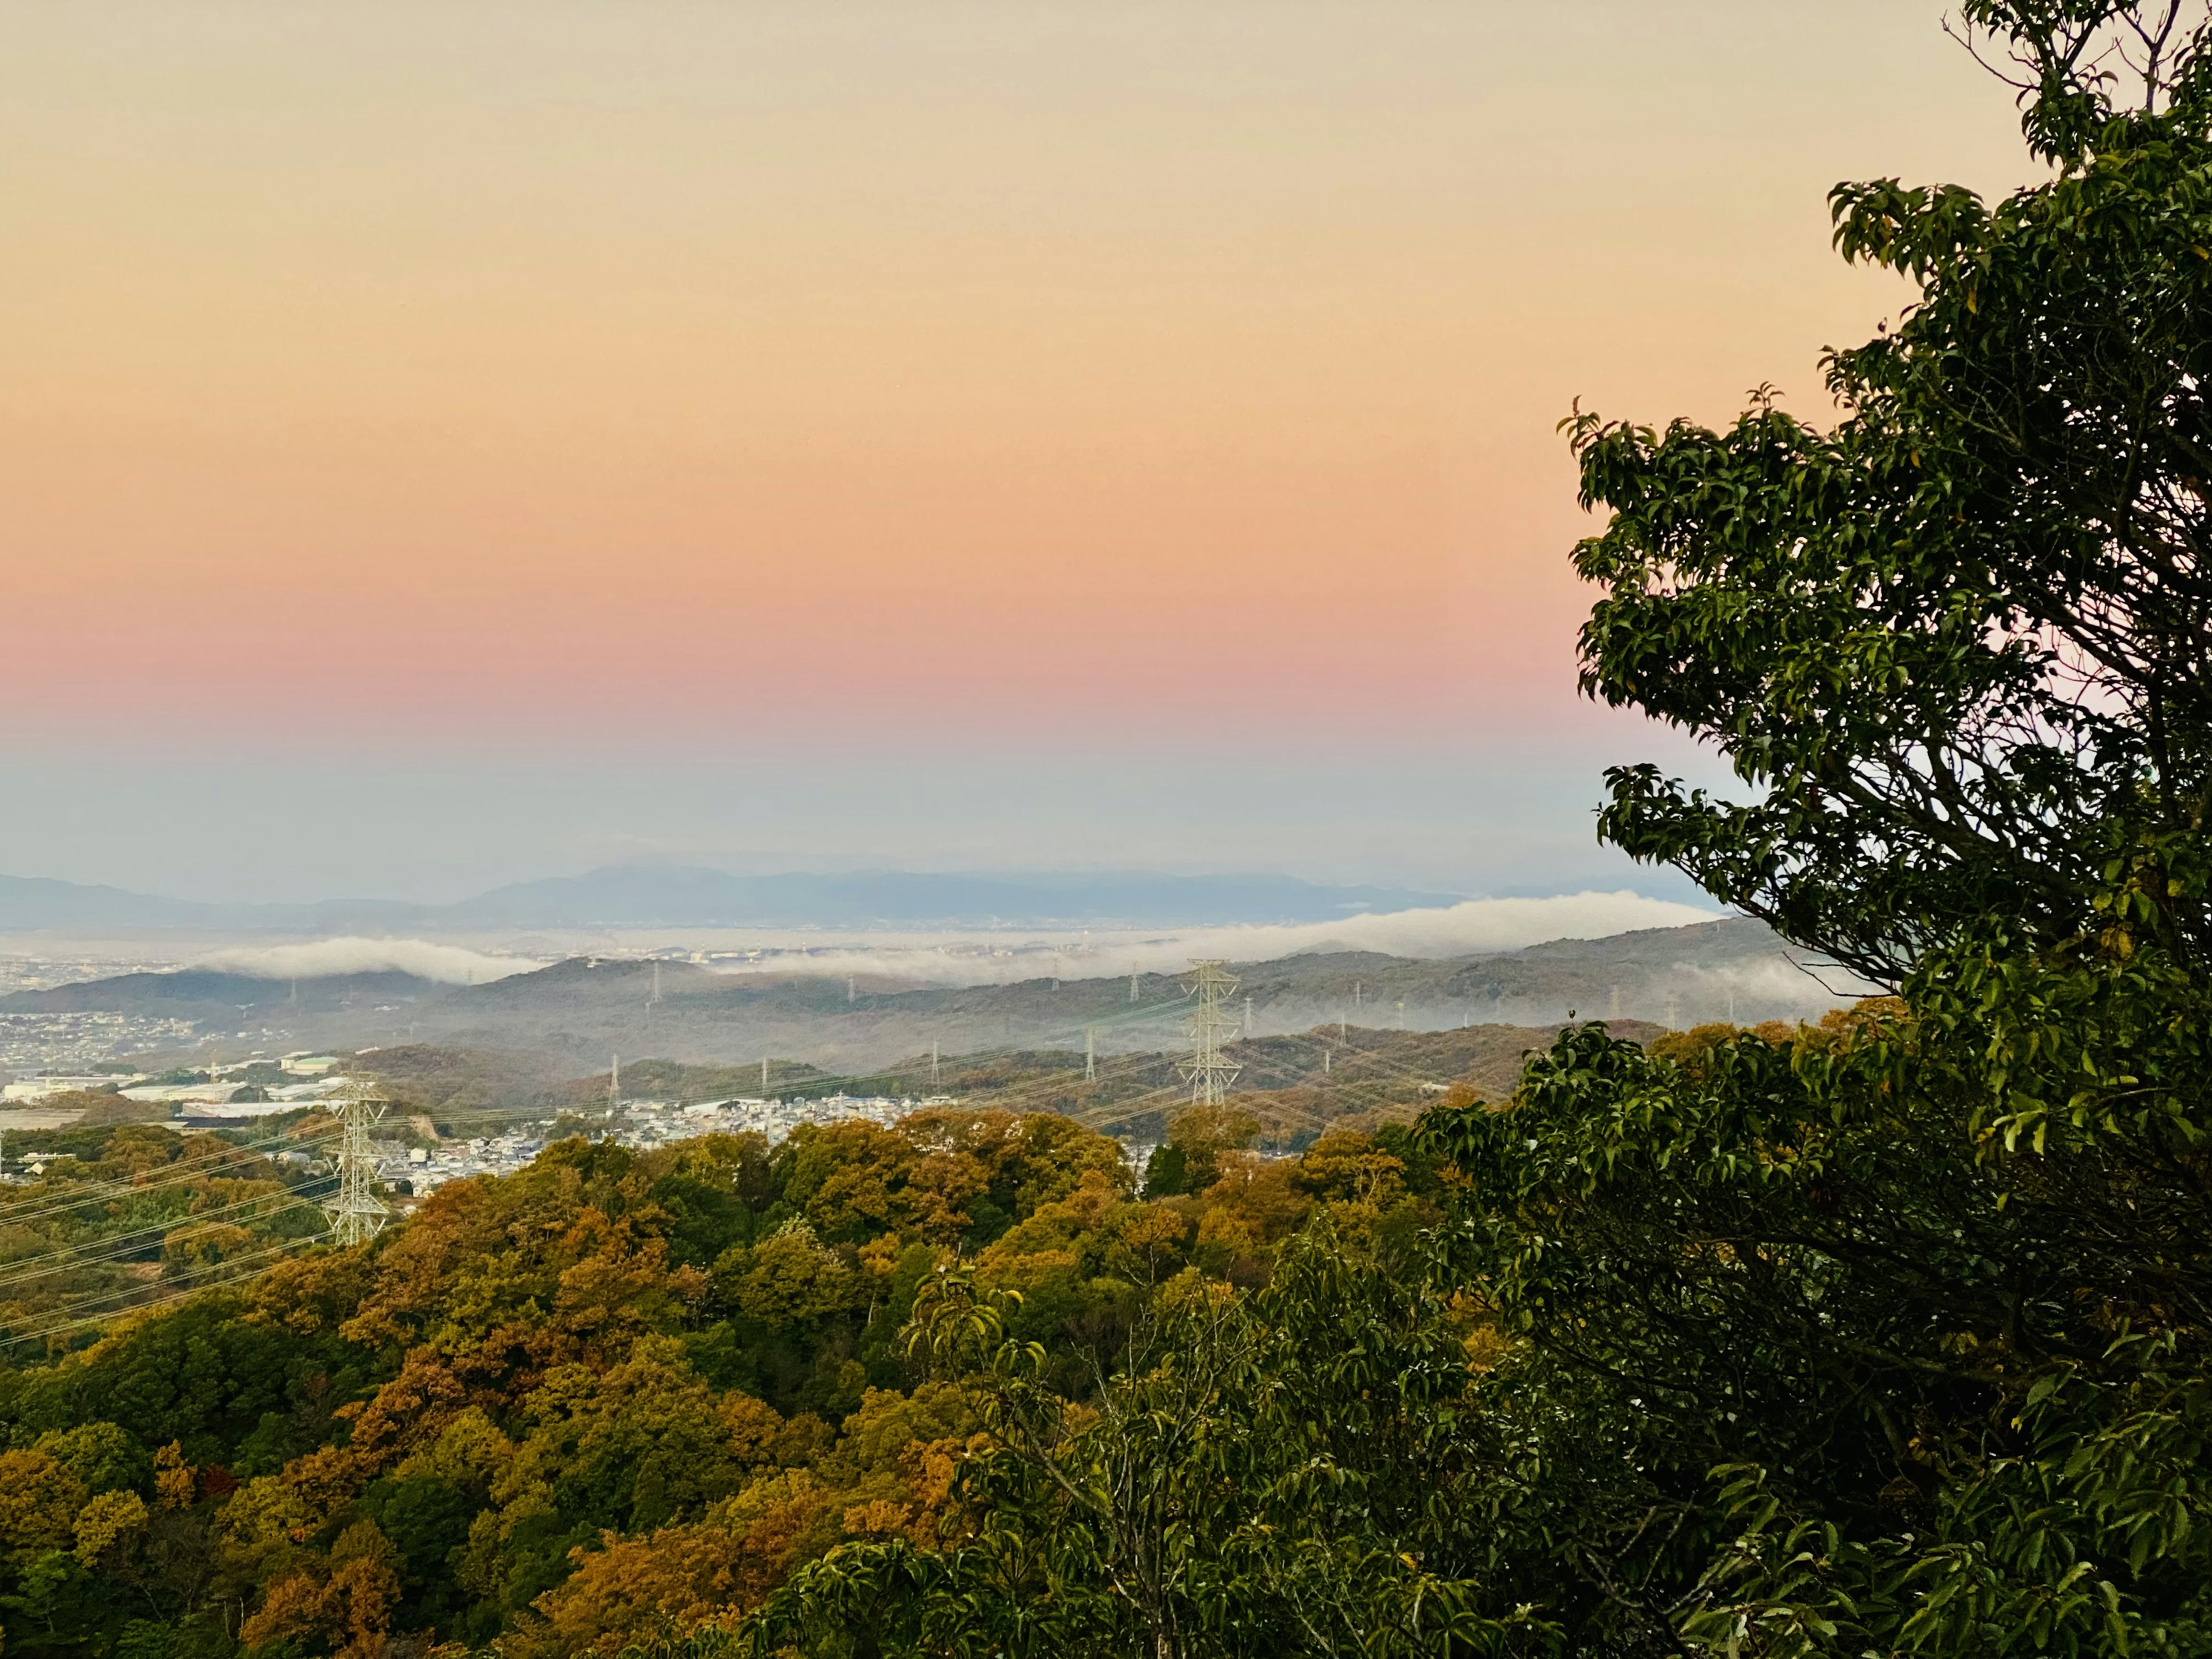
[(1474, 928), (1477, 925), (447, 964)]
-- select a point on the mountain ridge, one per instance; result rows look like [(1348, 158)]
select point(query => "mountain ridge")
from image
[(583, 1008), (645, 895)]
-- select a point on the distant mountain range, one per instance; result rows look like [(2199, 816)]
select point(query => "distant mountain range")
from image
[(634, 896), (575, 1012)]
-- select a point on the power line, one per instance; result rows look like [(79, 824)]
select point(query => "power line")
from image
[(75, 1302), (1094, 1117), (1047, 1041), (1033, 1088), (45, 1202), (1104, 1115), (1099, 1118), (229, 1150), (1373, 1058), (173, 1175), (1354, 1057), (130, 1243), (1151, 1100), (357, 1162), (90, 1298)]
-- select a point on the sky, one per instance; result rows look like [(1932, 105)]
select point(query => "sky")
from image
[(442, 444)]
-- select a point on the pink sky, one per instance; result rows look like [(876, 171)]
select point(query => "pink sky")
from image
[(1057, 373)]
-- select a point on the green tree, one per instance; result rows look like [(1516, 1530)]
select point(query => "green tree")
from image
[(1931, 1290), (1888, 1337), (1189, 1160), (1283, 1473), (1958, 642)]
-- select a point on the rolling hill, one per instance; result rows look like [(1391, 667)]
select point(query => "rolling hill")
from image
[(574, 1013)]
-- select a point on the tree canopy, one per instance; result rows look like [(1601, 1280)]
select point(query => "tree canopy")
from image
[(1884, 1336), (1958, 641), (613, 1395)]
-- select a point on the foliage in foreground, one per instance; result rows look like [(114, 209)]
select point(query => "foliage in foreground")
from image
[(614, 1394), (1888, 1338), (1746, 1349)]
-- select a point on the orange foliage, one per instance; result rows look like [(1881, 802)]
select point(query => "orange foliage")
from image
[(345, 1603), (541, 1358), (173, 1484), (679, 1577)]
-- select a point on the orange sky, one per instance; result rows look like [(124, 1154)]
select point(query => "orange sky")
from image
[(1052, 366), (890, 431)]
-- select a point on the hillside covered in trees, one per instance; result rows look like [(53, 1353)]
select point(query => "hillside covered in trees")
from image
[(610, 1396)]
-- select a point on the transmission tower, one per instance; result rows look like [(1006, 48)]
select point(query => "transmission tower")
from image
[(358, 1214), (1209, 1074)]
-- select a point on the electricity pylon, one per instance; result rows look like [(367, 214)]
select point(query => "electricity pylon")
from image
[(357, 1214), (1209, 1074)]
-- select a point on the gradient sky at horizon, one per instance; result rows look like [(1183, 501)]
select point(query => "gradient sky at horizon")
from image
[(915, 433)]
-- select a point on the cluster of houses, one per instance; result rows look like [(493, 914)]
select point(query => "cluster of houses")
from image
[(639, 1124)]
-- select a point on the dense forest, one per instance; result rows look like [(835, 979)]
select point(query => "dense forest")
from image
[(1886, 1335), (616, 1392)]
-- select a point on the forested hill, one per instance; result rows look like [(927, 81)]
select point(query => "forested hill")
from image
[(575, 1407)]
